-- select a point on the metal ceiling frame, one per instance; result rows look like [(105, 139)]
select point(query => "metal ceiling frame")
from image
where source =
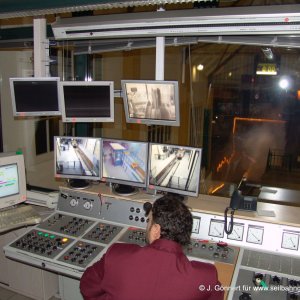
[(21, 8)]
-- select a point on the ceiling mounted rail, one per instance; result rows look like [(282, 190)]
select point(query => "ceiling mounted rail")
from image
[(278, 19)]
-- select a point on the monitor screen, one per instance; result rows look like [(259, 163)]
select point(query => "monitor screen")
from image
[(12, 180), (151, 102), (124, 162), (35, 96), (77, 157), (174, 169), (87, 101)]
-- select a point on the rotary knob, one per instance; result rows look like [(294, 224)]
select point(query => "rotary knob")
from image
[(88, 205), (73, 202)]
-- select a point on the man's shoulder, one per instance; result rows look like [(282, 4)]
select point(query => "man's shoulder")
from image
[(122, 247)]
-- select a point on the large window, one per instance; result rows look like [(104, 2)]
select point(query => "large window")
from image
[(253, 107), (239, 101)]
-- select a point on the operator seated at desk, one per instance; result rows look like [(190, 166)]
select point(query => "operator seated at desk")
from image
[(158, 271)]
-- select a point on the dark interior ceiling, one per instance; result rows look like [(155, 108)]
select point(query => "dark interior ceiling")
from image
[(20, 8), (16, 19)]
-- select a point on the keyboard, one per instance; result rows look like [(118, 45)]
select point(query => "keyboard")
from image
[(17, 217)]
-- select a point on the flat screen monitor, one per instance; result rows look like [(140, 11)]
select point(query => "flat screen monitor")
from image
[(77, 159), (124, 163), (12, 180), (87, 101), (33, 96), (174, 169), (151, 102)]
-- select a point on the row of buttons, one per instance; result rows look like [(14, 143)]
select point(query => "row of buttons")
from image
[(103, 233), (42, 243), (81, 254), (137, 218)]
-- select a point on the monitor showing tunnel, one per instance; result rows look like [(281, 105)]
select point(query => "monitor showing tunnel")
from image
[(174, 169)]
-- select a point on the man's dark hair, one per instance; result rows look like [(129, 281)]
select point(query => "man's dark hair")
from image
[(174, 218)]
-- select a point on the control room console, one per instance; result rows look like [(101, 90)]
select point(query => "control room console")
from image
[(87, 222)]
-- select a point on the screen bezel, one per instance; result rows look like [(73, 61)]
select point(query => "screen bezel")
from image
[(70, 119), (151, 121), (71, 176), (121, 181), (34, 113), (20, 197), (167, 189)]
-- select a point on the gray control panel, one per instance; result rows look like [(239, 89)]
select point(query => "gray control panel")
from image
[(78, 232), (102, 207), (103, 233), (66, 224), (202, 250), (85, 224), (212, 251), (264, 276)]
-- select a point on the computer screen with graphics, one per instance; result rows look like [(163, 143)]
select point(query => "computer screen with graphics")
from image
[(12, 180)]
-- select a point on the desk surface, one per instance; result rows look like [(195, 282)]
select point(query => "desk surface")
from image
[(280, 196), (286, 215)]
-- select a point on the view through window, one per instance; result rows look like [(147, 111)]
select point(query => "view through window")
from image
[(253, 128)]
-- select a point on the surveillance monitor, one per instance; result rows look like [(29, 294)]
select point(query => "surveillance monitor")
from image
[(77, 159), (151, 102), (174, 169), (124, 164)]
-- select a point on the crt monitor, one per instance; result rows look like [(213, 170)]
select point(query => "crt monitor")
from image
[(124, 163), (174, 169), (151, 102), (35, 96), (87, 101), (77, 159), (12, 180)]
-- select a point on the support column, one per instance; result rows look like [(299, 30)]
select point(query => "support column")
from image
[(41, 48), (160, 58)]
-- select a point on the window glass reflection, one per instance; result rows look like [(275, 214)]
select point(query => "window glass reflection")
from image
[(254, 106)]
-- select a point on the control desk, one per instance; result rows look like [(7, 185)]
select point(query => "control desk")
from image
[(263, 247)]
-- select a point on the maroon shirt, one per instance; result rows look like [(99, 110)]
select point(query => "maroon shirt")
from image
[(159, 271)]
